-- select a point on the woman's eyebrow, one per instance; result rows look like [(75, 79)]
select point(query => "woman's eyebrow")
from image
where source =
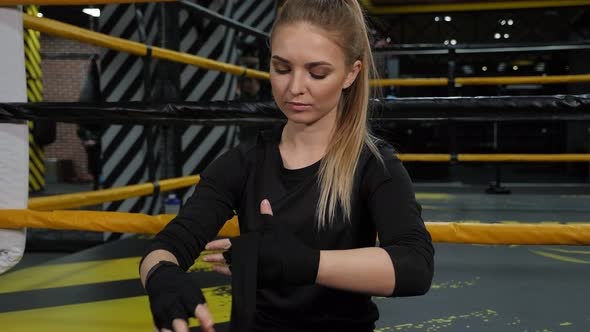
[(307, 65)]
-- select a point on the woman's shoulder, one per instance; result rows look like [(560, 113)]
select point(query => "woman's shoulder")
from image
[(383, 151), (379, 165), (386, 150), (246, 149)]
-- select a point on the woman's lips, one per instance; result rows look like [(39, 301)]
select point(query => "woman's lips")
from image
[(299, 107)]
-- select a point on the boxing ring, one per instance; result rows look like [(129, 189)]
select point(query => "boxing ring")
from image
[(503, 263)]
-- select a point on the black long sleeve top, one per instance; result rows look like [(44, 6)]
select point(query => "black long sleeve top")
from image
[(383, 204)]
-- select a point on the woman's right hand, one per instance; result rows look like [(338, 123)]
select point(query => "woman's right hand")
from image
[(174, 297)]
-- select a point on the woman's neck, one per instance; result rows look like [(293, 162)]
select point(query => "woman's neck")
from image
[(303, 145)]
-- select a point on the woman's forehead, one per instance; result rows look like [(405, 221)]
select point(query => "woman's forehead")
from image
[(305, 43)]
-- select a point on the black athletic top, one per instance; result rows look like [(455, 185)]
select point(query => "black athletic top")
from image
[(383, 202)]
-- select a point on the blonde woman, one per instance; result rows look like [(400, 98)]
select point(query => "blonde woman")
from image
[(311, 197)]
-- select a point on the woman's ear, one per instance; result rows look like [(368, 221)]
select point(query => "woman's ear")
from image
[(352, 74)]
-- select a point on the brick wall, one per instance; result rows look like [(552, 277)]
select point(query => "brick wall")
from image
[(65, 66)]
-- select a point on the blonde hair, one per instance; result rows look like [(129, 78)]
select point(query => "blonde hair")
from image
[(344, 21)]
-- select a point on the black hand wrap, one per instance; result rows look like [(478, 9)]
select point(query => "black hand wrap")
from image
[(270, 258), (172, 293), (282, 258)]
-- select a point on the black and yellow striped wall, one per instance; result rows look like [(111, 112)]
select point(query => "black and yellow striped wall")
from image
[(34, 94)]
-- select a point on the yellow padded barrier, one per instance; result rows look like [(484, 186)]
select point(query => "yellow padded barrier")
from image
[(449, 232), (532, 234), (68, 31), (88, 198), (97, 221)]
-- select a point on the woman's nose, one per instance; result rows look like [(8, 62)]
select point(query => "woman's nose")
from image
[(297, 84)]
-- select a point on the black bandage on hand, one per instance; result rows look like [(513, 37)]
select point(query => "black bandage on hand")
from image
[(172, 294), (283, 259)]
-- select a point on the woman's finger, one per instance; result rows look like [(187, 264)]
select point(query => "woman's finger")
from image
[(204, 317), (221, 244), (214, 258), (180, 325)]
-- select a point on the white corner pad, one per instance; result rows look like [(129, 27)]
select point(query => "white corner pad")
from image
[(14, 137), (12, 247)]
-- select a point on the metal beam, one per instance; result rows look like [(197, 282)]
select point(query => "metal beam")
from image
[(468, 6), (224, 20), (424, 49)]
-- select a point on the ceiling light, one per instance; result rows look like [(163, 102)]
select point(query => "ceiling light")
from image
[(510, 22), (453, 42), (436, 19), (506, 36), (39, 14), (497, 35), (447, 18), (484, 68), (540, 67), (515, 67), (94, 12)]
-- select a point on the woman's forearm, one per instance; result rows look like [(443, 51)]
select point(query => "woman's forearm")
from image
[(152, 259), (364, 270)]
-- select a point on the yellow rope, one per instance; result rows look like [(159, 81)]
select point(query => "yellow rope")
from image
[(88, 198)]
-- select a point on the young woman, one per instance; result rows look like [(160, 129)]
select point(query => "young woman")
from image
[(311, 196)]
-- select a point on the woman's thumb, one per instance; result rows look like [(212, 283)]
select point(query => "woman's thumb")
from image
[(265, 207)]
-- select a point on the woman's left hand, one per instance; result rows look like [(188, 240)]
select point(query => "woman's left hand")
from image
[(219, 263)]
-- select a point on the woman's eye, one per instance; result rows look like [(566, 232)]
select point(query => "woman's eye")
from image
[(281, 70), (317, 77)]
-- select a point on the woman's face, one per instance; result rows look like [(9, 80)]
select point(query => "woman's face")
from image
[(308, 73)]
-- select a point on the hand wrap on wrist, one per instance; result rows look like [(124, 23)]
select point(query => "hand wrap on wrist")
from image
[(172, 294)]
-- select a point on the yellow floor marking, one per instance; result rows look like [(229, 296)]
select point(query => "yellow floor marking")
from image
[(436, 324), (121, 315), (568, 251), (560, 257), (81, 273)]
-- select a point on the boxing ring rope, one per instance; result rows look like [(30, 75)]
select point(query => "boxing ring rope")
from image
[(76, 200), (373, 9), (443, 232), (68, 31), (74, 2), (494, 157), (543, 80), (88, 198), (466, 6)]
